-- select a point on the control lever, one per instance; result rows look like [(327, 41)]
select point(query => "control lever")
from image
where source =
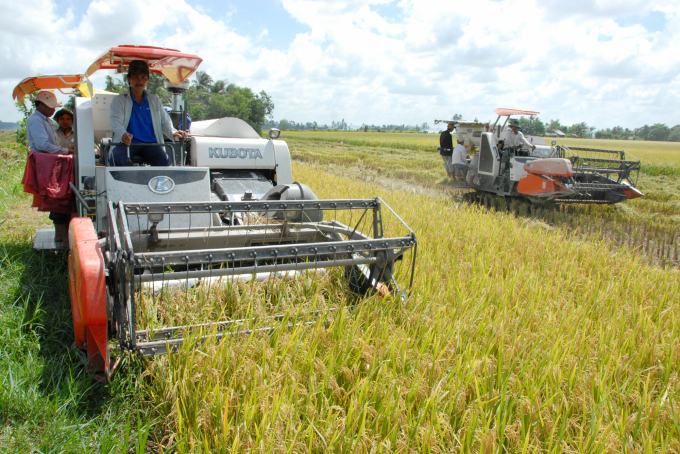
[(79, 196)]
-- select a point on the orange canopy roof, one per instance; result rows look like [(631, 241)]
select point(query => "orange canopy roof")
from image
[(503, 112), (31, 84), (173, 64)]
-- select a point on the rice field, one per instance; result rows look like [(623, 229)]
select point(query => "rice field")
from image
[(648, 151), (517, 337), (406, 140), (650, 225), (528, 330)]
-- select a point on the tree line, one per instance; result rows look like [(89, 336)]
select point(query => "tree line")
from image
[(658, 131), (343, 126), (535, 127), (9, 125)]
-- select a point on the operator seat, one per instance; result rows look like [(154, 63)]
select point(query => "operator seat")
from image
[(106, 152), (103, 133), (107, 157)]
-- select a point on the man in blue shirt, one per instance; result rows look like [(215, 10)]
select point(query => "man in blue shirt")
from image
[(139, 117)]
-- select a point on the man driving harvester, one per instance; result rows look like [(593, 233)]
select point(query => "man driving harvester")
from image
[(138, 117), (514, 138)]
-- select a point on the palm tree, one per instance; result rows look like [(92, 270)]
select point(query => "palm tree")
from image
[(219, 87), (203, 81), (155, 82)]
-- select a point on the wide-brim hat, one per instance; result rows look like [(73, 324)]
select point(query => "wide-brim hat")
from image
[(63, 111), (48, 98), (514, 123)]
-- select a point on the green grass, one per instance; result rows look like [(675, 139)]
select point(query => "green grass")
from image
[(48, 402), (6, 137)]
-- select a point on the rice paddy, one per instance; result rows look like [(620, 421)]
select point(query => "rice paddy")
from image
[(648, 151), (650, 225), (528, 330), (517, 337)]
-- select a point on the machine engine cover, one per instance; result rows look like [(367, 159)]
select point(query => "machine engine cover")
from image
[(232, 153), (542, 187), (160, 184), (550, 166)]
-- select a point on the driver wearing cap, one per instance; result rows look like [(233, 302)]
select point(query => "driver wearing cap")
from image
[(515, 138), (138, 117)]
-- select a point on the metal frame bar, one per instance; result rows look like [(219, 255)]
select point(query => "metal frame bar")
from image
[(624, 169), (373, 255), (109, 150), (164, 347), (254, 206), (276, 251)]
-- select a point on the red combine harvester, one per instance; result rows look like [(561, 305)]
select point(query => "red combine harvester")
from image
[(545, 173)]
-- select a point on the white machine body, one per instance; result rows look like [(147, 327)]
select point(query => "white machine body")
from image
[(226, 160), (236, 153)]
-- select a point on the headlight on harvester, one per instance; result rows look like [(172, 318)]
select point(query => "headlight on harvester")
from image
[(274, 133)]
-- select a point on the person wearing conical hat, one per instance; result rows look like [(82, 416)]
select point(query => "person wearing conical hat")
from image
[(459, 156), (514, 138)]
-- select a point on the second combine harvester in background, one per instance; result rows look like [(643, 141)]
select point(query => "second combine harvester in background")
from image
[(226, 208), (557, 173)]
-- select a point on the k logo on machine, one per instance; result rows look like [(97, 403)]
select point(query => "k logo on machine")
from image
[(161, 185)]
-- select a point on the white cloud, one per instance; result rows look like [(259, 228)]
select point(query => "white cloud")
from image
[(570, 61)]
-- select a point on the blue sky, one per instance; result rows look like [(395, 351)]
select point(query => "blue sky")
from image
[(604, 62), (252, 18)]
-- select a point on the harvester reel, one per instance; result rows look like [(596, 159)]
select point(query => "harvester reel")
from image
[(186, 257)]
